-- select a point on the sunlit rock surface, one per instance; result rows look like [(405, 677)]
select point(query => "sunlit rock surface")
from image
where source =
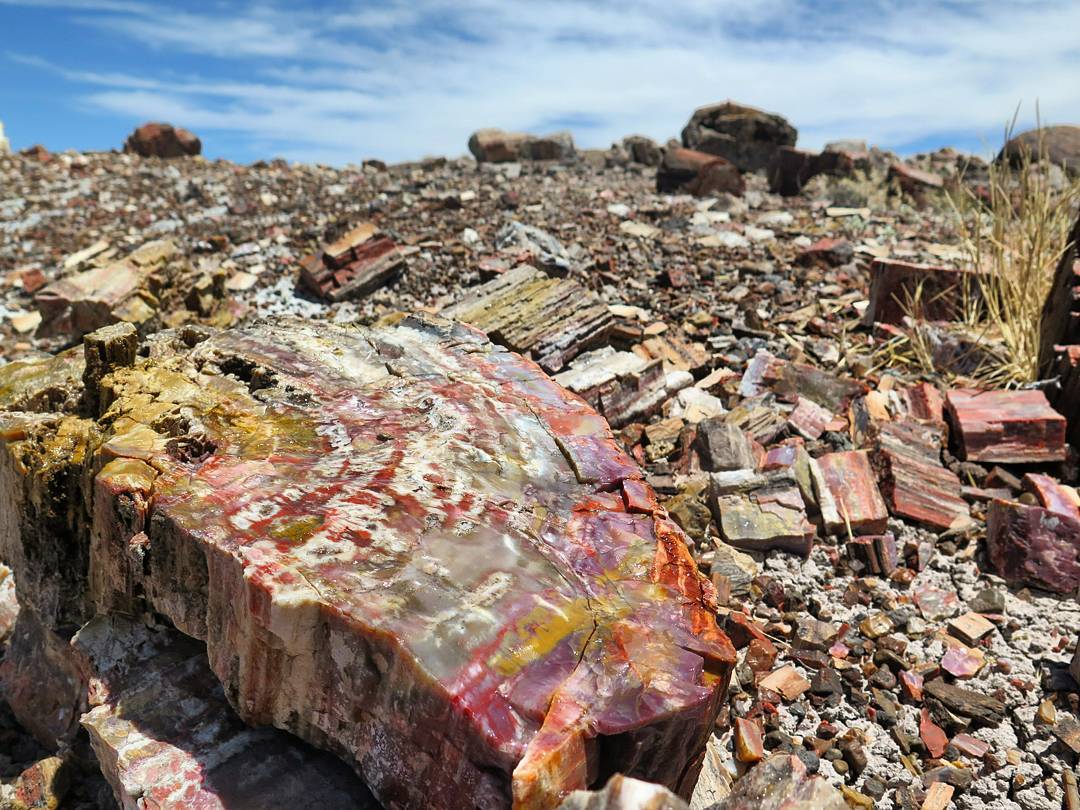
[(405, 545)]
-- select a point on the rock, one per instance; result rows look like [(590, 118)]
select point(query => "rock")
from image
[(1074, 664), (103, 295), (758, 512), (360, 262), (5, 144), (9, 606), (715, 178), (527, 244), (744, 136), (1033, 545), (874, 554), (163, 141), (789, 380), (847, 494), (786, 682), (1008, 427), (106, 349), (932, 735), (1059, 145), (915, 484), (827, 252), (161, 728), (781, 782), (980, 708), (914, 181), (624, 793), (42, 786), (551, 320), (40, 683), (697, 173), (1059, 340), (715, 781), (971, 628), (927, 292), (722, 446), (736, 569), (381, 530), (496, 146), (623, 386), (1064, 500), (938, 797), (642, 150), (749, 747)]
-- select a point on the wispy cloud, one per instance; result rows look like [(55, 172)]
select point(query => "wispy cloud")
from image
[(402, 79)]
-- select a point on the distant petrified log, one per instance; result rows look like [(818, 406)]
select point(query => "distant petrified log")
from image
[(1057, 144), (743, 135), (163, 141), (405, 545)]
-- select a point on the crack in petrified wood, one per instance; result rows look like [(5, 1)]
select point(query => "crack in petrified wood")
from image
[(412, 548)]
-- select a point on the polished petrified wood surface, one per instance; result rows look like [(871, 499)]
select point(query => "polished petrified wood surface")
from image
[(405, 545)]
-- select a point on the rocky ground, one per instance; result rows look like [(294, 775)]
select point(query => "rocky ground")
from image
[(887, 668)]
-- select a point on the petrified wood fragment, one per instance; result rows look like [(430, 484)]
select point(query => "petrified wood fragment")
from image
[(923, 291), (409, 547), (165, 736), (915, 484), (358, 263), (550, 320), (1033, 545), (1010, 427), (94, 298), (847, 494)]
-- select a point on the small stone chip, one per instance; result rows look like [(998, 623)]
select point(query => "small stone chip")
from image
[(786, 681), (938, 796), (971, 627)]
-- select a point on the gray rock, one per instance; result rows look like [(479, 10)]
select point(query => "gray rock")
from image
[(624, 793)]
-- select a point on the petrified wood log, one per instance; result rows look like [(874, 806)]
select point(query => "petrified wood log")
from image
[(404, 545)]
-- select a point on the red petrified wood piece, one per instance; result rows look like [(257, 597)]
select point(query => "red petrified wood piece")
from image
[(1010, 427), (1034, 545), (353, 266), (924, 291)]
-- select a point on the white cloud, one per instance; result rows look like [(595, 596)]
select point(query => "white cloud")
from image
[(401, 79)]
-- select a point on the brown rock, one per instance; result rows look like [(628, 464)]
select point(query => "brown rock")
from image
[(550, 319), (42, 786), (497, 146), (1034, 546), (163, 141), (847, 493), (1057, 144), (697, 172), (749, 747), (914, 181), (745, 136), (781, 782), (1010, 427), (927, 292)]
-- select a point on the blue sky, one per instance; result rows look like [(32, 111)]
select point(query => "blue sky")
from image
[(341, 81)]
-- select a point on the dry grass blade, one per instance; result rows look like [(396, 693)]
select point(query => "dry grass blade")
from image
[(1014, 230)]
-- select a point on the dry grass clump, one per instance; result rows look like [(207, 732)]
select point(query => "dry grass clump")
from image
[(1014, 229)]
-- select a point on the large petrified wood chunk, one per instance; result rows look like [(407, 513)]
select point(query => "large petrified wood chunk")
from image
[(1010, 427), (1034, 545), (165, 737), (410, 547), (551, 320)]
